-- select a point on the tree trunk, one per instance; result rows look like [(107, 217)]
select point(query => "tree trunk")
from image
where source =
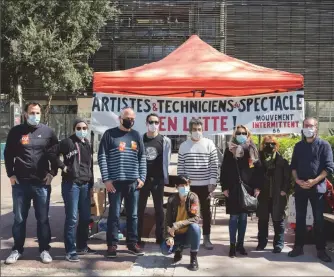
[(47, 110)]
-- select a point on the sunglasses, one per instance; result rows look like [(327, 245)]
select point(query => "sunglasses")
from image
[(241, 133), (81, 128), (270, 144), (153, 122)]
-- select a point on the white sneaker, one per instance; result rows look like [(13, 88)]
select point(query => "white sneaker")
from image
[(13, 257), (46, 257)]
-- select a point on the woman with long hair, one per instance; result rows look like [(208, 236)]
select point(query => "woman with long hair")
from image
[(241, 160), (273, 197)]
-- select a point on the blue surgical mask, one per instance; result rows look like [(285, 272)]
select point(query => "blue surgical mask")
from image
[(34, 119), (241, 139), (81, 134), (183, 191)]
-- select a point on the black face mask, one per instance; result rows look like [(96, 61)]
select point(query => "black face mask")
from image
[(127, 123), (269, 148)]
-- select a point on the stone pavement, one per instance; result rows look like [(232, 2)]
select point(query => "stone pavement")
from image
[(212, 263)]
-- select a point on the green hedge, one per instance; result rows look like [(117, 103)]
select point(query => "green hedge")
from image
[(287, 144)]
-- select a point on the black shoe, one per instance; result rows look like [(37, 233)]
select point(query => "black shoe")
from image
[(72, 258), (259, 248), (322, 255), (277, 250), (233, 252), (240, 248), (135, 249), (296, 251), (112, 252), (177, 256), (193, 262), (86, 251)]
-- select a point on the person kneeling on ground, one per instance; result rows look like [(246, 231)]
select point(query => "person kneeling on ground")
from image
[(181, 223)]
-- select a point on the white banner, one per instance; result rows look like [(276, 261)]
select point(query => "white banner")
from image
[(277, 113)]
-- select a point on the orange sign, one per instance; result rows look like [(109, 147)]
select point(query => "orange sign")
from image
[(121, 146), (25, 139), (134, 145)]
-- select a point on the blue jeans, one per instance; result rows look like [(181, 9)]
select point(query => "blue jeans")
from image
[(190, 238), (76, 198), (130, 193), (22, 194), (238, 223), (317, 203)]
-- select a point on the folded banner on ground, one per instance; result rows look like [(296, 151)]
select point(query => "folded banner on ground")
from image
[(277, 113)]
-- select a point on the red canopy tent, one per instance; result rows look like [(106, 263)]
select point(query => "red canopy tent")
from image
[(196, 67)]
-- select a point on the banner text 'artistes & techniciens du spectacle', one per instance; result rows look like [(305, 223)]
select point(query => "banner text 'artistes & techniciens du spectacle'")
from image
[(278, 113)]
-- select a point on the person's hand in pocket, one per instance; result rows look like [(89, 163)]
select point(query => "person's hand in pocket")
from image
[(13, 180)]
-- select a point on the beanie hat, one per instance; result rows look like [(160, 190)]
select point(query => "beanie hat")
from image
[(77, 121)]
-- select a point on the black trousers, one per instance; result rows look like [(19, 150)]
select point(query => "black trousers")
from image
[(156, 187), (203, 195)]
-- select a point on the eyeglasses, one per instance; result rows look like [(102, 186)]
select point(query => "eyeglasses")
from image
[(153, 122), (241, 133), (81, 128), (270, 144)]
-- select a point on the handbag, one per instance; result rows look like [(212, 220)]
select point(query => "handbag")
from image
[(248, 202)]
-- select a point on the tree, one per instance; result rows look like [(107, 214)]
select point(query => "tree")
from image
[(51, 41)]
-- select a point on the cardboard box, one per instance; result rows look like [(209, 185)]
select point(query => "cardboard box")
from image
[(97, 202)]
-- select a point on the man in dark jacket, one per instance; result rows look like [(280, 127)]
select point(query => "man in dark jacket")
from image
[(28, 169), (77, 173), (182, 223), (312, 161)]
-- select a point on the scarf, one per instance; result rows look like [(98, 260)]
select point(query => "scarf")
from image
[(238, 150), (269, 163)]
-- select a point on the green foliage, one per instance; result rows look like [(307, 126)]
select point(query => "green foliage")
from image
[(52, 40)]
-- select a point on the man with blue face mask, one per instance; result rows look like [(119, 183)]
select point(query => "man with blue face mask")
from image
[(77, 173), (312, 161), (28, 169), (182, 223)]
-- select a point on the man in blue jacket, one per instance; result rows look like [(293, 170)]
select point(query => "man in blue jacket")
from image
[(158, 153), (312, 161), (27, 167)]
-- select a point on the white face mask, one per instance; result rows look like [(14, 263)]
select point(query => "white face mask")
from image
[(153, 128), (34, 119), (196, 135), (309, 132)]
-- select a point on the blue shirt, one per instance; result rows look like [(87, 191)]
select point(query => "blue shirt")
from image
[(122, 156), (310, 159)]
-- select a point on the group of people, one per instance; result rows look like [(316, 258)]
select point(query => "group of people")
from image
[(134, 166)]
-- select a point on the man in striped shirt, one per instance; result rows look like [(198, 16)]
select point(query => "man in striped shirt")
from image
[(122, 162), (198, 159)]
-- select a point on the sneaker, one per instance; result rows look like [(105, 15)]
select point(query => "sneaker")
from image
[(13, 257), (135, 249), (322, 255), (296, 251), (86, 251), (46, 257), (72, 257), (259, 248), (112, 251), (177, 256), (207, 243)]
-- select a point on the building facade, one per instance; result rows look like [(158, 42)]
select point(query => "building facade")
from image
[(295, 36)]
